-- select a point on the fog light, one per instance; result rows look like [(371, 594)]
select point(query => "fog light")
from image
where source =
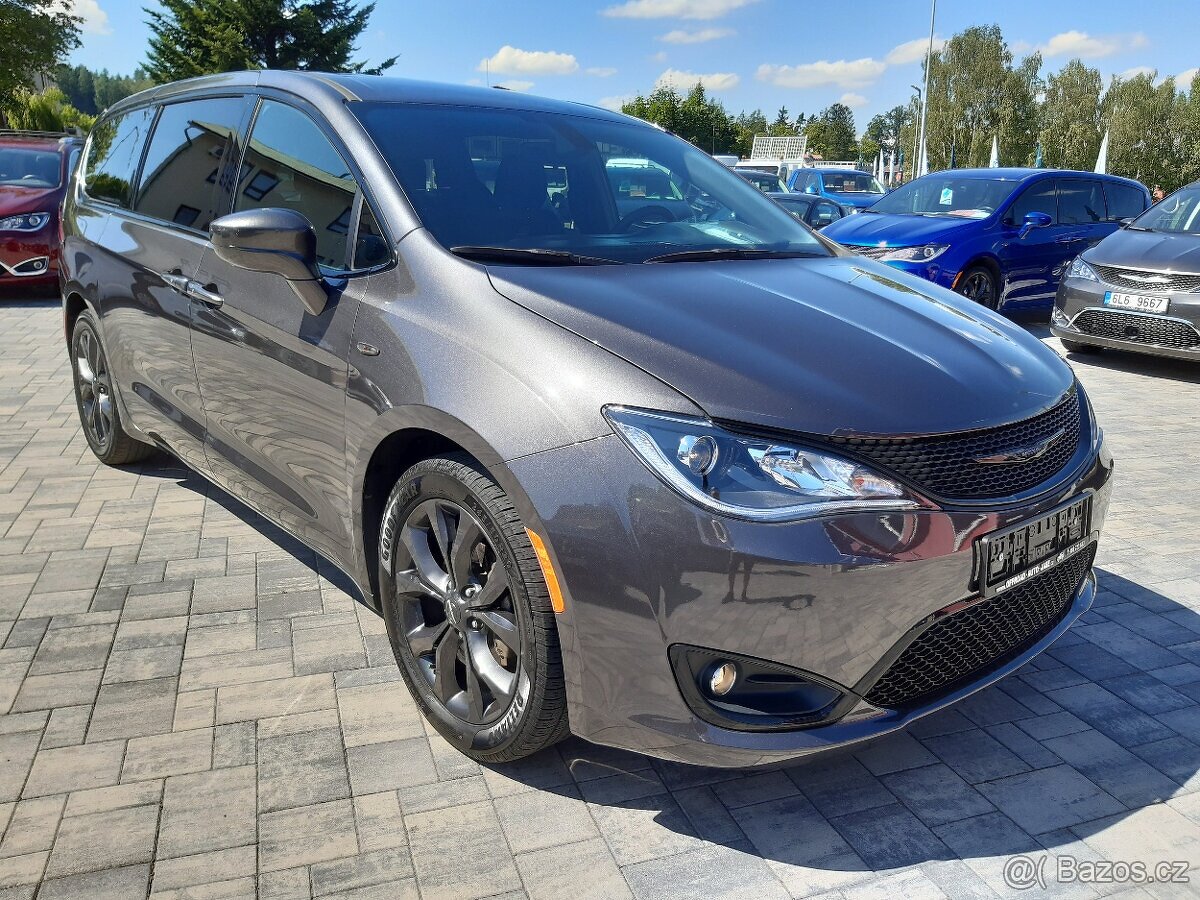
[(722, 679), (699, 454), (1059, 318)]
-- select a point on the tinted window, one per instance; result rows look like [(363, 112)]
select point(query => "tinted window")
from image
[(113, 155), (184, 160), (1080, 202), (1124, 200), (370, 247), (824, 213), (290, 164), (1037, 197), (797, 207), (947, 194), (1177, 214), (35, 168)]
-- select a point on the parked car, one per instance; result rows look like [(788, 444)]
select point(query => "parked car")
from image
[(767, 182), (676, 487), (849, 187), (1001, 237), (1139, 288), (33, 173), (815, 212), (726, 159)]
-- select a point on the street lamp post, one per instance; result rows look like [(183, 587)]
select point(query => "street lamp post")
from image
[(916, 135)]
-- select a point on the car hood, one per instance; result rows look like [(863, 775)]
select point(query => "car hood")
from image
[(14, 200), (859, 200), (885, 230), (832, 346), (1148, 250)]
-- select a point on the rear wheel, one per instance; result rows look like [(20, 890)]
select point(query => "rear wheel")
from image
[(978, 283), (98, 412), (468, 613), (1076, 347)]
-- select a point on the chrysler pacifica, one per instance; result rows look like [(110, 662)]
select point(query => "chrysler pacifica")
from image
[(681, 478)]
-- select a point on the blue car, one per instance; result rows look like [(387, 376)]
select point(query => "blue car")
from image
[(849, 187), (1001, 237)]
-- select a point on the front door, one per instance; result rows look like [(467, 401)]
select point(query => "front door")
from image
[(272, 375), (1028, 262)]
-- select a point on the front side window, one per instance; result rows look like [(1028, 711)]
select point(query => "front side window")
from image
[(290, 164), (1080, 202), (520, 179), (947, 195), (184, 160), (1177, 214), (30, 167), (1124, 200), (1038, 197), (114, 151)]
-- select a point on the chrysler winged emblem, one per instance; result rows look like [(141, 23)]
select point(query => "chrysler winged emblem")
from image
[(1022, 454), (1146, 278)]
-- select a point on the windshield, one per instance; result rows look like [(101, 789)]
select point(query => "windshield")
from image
[(946, 195), (764, 181), (30, 168), (1177, 214), (851, 183), (571, 184)]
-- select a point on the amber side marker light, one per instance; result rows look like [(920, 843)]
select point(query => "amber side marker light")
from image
[(543, 557)]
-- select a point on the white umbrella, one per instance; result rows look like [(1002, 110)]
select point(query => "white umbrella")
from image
[(994, 162), (1102, 159)]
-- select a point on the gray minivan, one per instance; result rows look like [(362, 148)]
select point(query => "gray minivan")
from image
[(686, 479)]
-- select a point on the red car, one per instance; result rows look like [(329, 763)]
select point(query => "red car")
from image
[(34, 170)]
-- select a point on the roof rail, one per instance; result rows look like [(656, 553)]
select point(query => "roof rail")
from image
[(74, 131)]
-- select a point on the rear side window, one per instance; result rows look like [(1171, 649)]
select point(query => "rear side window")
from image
[(1124, 200), (1038, 197), (290, 164), (1080, 202), (114, 151), (184, 160)]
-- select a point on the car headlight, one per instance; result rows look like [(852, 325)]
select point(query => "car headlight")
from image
[(25, 222), (751, 478), (924, 253), (1080, 269)]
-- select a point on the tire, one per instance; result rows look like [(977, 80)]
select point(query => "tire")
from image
[(99, 413), (1076, 347), (978, 283), (454, 643)]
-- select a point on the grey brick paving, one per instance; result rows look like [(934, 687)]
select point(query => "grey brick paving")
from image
[(192, 706)]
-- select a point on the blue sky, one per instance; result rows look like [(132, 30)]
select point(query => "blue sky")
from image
[(750, 53)]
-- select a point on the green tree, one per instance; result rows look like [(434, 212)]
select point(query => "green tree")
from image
[(47, 110), (36, 36), (782, 127), (696, 117), (1070, 117), (832, 134), (92, 92), (747, 125), (1145, 124), (200, 37)]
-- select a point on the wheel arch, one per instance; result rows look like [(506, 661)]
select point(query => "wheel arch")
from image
[(989, 261)]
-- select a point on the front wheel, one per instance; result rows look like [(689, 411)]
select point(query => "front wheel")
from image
[(468, 613), (978, 283)]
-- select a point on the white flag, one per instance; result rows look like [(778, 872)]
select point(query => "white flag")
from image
[(1102, 159), (994, 162)]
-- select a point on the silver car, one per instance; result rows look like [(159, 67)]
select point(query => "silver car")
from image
[(1139, 288)]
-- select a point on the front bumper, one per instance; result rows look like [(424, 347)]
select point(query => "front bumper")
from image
[(930, 271), (1077, 299), (643, 570)]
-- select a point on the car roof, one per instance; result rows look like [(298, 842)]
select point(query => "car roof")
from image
[(1021, 174), (835, 171), (38, 140), (355, 88)]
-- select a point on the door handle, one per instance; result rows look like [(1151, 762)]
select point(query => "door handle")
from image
[(175, 281), (1068, 240), (197, 291)]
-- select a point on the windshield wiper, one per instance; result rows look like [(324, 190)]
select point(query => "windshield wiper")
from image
[(733, 253), (530, 255), (1137, 228)]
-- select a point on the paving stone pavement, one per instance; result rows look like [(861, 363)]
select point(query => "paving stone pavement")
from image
[(193, 706)]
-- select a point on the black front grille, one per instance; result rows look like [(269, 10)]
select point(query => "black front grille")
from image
[(949, 466), (1124, 326), (1139, 280), (967, 645)]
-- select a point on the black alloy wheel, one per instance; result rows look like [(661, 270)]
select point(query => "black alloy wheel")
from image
[(979, 284), (94, 397)]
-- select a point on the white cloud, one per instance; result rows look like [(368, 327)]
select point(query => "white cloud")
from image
[(95, 19), (913, 51), (685, 81), (674, 9), (511, 61), (855, 73), (1184, 78), (1086, 46), (602, 71), (516, 85), (660, 56), (704, 35), (614, 103), (1135, 72), (853, 100)]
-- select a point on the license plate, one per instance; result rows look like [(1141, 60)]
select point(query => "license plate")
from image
[(1011, 556), (1136, 301)]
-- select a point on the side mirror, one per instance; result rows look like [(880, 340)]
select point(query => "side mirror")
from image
[(1034, 220), (280, 241)]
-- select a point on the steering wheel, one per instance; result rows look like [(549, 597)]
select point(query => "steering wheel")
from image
[(645, 217)]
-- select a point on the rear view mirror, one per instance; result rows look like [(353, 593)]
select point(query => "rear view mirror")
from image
[(1034, 220), (280, 241)]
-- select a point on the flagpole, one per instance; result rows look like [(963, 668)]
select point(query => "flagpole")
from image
[(928, 66)]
